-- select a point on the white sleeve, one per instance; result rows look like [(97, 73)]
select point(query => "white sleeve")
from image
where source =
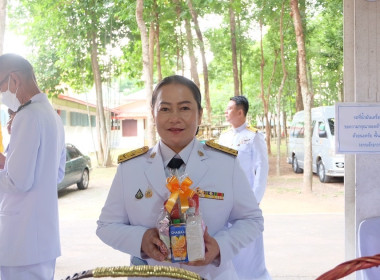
[(261, 166), (21, 161), (114, 227)]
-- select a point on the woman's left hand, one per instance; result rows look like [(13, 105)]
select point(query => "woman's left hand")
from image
[(212, 251)]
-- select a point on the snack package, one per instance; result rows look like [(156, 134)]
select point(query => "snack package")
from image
[(194, 238), (178, 243), (163, 225)]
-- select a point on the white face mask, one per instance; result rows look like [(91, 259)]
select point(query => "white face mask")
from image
[(9, 99)]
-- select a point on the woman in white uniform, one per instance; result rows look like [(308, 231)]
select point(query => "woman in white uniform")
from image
[(138, 192)]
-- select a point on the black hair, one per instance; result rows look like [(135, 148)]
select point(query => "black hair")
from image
[(241, 101), (177, 79)]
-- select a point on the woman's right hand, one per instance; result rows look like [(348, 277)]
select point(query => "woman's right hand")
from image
[(153, 246)]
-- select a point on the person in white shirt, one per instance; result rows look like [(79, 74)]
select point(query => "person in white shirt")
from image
[(138, 192), (253, 157), (34, 165)]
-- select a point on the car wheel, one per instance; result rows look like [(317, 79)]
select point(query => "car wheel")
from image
[(295, 166), (83, 183), (322, 173)]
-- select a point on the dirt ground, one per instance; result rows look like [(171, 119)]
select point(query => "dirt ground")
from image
[(284, 193)]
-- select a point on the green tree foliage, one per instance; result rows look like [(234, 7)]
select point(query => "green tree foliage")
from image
[(60, 35), (59, 32)]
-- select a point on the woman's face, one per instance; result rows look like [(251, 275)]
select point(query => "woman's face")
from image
[(176, 116)]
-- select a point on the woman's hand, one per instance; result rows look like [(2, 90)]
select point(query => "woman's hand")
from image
[(212, 251), (153, 246)]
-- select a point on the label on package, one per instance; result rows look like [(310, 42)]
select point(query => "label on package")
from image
[(178, 243)]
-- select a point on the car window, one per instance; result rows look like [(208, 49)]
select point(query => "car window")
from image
[(332, 125), (73, 152)]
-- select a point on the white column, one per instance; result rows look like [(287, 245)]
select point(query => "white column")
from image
[(361, 84)]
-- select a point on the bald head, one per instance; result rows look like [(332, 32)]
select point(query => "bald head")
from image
[(14, 63), (17, 75)]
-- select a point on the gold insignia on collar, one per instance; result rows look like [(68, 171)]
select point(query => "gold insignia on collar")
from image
[(153, 155), (200, 153), (139, 194), (219, 147), (132, 154)]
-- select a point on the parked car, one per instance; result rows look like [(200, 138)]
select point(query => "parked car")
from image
[(77, 169), (326, 163)]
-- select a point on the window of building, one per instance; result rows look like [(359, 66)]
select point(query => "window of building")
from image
[(129, 128), (62, 114), (79, 119)]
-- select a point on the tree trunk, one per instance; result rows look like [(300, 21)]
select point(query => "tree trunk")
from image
[(193, 60), (151, 49), (102, 126), (310, 82), (299, 102), (240, 58), (3, 16), (233, 49), (265, 103), (179, 42), (157, 38), (306, 95), (281, 88), (194, 16), (151, 136)]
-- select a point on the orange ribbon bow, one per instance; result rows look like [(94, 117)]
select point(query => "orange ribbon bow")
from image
[(182, 190)]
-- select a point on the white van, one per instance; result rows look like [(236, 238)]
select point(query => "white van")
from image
[(326, 163)]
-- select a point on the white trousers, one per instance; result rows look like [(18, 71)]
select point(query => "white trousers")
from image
[(249, 263), (39, 271)]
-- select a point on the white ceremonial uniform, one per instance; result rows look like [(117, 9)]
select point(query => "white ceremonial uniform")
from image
[(253, 157), (35, 163), (125, 218)]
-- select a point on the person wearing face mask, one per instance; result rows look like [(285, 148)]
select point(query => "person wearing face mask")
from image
[(9, 99), (138, 192), (35, 164)]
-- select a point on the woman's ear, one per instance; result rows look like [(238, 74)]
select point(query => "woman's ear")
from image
[(200, 116)]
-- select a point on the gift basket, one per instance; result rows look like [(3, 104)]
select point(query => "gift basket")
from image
[(180, 224)]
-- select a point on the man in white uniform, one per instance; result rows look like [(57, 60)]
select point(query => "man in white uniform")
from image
[(35, 163), (253, 157)]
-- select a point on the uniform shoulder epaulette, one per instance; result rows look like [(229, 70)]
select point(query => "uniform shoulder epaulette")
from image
[(253, 129), (132, 154), (212, 144)]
